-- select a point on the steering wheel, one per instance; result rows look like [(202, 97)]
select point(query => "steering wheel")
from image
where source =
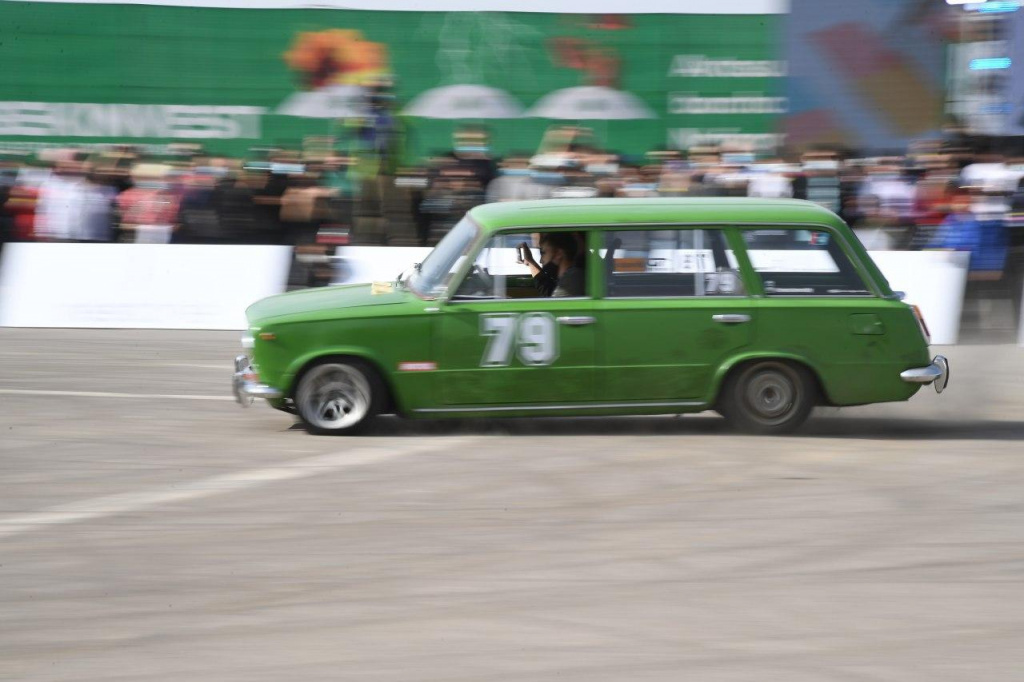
[(478, 282)]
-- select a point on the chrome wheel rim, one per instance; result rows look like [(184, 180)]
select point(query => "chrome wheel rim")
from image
[(335, 397), (771, 396)]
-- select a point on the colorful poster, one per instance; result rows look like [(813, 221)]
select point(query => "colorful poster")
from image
[(1015, 78), (865, 75)]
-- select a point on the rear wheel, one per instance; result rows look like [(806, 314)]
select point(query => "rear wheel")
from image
[(768, 397), (339, 397)]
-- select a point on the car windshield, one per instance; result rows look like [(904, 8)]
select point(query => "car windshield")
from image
[(434, 275)]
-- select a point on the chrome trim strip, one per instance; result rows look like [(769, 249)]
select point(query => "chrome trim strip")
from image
[(262, 391), (827, 297), (576, 320), (587, 406), (937, 374), (921, 375), (716, 297), (943, 381), (245, 389), (547, 299), (551, 299), (731, 318)]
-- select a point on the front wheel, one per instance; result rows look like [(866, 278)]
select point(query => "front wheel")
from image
[(768, 397), (338, 397)]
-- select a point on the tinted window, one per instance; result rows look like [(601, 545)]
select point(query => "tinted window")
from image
[(660, 263), (802, 263)]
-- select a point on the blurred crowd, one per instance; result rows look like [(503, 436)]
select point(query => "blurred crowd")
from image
[(936, 195)]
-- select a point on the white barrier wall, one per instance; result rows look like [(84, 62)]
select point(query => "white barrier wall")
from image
[(140, 286), (181, 286), (932, 280)]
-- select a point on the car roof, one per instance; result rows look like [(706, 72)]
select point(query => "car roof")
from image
[(581, 214)]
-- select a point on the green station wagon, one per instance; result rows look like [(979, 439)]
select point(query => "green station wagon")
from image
[(758, 309)]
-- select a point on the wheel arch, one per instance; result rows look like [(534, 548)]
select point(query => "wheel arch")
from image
[(736, 364), (311, 360)]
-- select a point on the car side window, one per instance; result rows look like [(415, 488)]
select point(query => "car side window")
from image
[(497, 271), (669, 263), (794, 262)]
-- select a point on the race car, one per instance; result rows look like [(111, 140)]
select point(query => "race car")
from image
[(759, 309)]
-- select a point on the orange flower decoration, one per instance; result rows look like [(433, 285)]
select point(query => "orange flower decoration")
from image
[(337, 56)]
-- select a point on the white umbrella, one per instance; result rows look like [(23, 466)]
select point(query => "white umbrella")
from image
[(464, 101), (590, 102), (334, 101)]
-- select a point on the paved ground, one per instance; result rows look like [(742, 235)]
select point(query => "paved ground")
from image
[(181, 538)]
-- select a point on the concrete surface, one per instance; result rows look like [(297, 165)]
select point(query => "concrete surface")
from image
[(182, 538)]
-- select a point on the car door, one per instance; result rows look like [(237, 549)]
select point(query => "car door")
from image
[(674, 308), (500, 342)]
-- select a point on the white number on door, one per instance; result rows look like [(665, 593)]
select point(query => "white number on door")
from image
[(538, 341), (534, 334), (501, 328)]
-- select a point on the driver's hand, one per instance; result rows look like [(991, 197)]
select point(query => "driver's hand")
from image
[(527, 254)]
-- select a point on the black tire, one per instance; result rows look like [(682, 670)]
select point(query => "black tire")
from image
[(339, 397), (768, 397)]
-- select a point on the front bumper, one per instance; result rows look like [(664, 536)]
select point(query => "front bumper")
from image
[(936, 374), (245, 384)]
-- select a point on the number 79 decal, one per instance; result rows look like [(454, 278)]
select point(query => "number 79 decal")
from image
[(532, 336)]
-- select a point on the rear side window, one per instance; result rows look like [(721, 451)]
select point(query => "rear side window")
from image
[(802, 263), (669, 263)]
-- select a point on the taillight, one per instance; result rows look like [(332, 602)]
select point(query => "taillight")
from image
[(922, 324)]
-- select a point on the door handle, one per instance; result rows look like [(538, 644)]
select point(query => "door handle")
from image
[(731, 318), (578, 321)]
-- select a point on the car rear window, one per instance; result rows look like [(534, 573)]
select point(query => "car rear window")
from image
[(681, 262), (794, 262)]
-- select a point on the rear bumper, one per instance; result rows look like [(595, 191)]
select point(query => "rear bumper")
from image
[(936, 374), (245, 384)]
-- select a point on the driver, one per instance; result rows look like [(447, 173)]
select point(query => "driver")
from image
[(560, 276)]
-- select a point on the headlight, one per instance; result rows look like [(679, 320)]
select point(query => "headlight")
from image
[(248, 342)]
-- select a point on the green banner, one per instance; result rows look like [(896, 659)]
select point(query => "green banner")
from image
[(231, 79)]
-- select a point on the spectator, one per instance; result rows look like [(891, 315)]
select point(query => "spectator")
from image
[(149, 210), (515, 182), (98, 212), (872, 226), (232, 203), (61, 204)]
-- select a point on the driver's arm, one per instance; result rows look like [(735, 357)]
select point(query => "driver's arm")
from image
[(546, 279), (528, 259)]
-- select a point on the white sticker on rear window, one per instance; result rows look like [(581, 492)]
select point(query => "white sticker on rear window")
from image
[(796, 260)]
